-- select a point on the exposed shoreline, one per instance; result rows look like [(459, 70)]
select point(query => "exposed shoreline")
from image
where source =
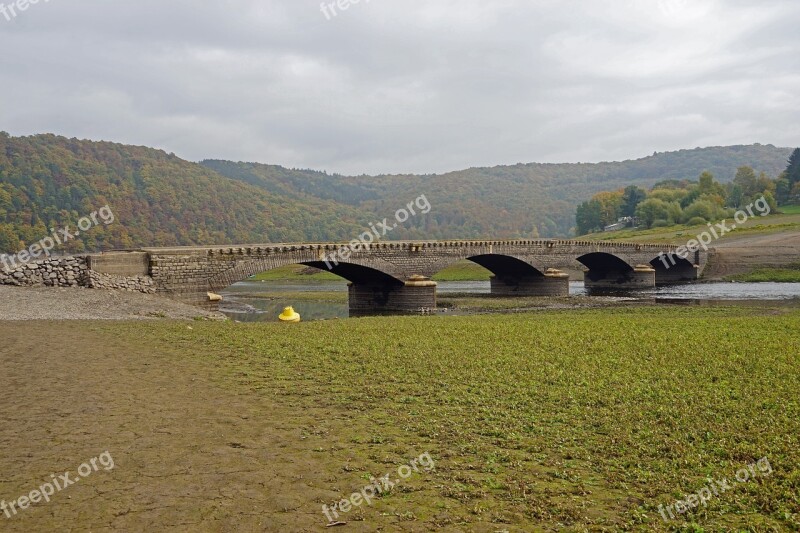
[(59, 303)]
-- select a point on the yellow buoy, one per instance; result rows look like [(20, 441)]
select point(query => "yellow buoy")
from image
[(289, 315)]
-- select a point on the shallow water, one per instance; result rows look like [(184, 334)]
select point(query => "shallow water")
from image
[(241, 305)]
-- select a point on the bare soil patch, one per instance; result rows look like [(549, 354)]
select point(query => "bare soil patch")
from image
[(49, 303), (189, 456), (740, 254)]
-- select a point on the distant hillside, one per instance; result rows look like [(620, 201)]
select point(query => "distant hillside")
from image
[(525, 200), (159, 199)]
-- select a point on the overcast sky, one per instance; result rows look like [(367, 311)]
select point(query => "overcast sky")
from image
[(392, 86)]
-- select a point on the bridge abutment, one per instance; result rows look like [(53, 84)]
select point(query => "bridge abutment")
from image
[(553, 283), (641, 277), (415, 295)]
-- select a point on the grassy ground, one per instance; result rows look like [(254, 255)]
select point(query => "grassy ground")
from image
[(780, 275), (789, 220), (294, 273), (544, 421), (463, 271)]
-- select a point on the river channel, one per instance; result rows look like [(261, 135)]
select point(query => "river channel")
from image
[(262, 301)]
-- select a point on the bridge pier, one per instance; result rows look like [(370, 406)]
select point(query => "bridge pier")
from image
[(416, 294), (677, 274), (553, 283), (641, 277)]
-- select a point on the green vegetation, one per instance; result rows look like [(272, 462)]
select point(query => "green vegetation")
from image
[(673, 202), (670, 203), (518, 201), (790, 209), (587, 420), (463, 271), (295, 273), (779, 275), (159, 199), (681, 233)]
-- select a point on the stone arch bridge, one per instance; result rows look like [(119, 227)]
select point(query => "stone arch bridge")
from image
[(395, 276)]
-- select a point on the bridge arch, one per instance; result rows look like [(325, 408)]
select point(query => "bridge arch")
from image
[(604, 262), (513, 276), (352, 272), (608, 271), (672, 268), (506, 266)]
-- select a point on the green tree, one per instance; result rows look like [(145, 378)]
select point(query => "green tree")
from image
[(651, 210), (770, 199), (701, 208), (632, 196), (782, 191), (668, 195), (610, 206), (747, 181), (793, 170), (9, 243), (794, 196), (764, 184), (735, 196), (588, 217), (711, 189)]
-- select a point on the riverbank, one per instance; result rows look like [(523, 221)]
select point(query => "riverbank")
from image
[(775, 275), (57, 303)]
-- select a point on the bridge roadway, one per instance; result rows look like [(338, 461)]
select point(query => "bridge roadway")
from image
[(394, 276)]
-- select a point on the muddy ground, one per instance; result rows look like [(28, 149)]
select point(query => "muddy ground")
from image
[(188, 455), (61, 303)]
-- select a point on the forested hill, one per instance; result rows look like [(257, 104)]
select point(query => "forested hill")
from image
[(159, 199), (524, 200)]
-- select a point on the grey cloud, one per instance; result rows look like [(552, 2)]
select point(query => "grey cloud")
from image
[(411, 86)]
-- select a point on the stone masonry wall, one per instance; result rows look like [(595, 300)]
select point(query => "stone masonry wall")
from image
[(97, 280), (71, 272)]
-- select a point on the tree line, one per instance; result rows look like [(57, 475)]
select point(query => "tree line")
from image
[(689, 202)]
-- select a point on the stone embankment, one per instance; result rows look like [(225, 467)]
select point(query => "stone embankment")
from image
[(71, 272)]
